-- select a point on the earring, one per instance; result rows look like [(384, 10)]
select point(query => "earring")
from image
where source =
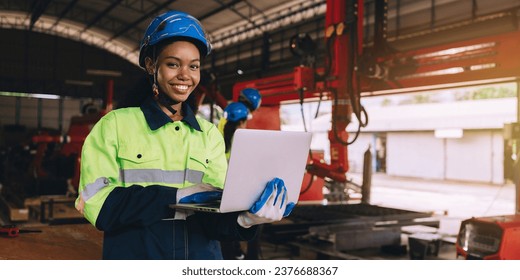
[(155, 90)]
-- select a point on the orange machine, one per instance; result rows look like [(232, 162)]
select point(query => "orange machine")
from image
[(490, 238)]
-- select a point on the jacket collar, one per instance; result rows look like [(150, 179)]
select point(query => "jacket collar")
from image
[(156, 118)]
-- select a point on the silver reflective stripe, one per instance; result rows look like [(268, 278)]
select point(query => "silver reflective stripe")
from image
[(194, 176), (91, 189), (161, 176)]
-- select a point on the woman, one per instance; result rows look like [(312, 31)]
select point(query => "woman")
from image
[(236, 115), (137, 161), (249, 97)]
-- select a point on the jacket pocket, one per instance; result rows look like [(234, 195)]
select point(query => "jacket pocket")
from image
[(198, 160), (196, 168), (137, 155)]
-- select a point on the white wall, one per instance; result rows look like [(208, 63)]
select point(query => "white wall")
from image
[(497, 160), (477, 156), (414, 154), (357, 150)]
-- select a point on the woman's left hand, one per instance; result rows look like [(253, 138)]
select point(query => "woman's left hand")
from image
[(80, 205)]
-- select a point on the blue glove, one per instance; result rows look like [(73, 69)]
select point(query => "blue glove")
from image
[(199, 193), (272, 206)]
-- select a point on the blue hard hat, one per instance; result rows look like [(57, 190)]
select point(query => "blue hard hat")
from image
[(251, 97), (174, 24), (236, 111)]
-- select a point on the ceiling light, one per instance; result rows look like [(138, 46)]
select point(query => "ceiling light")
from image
[(79, 83), (101, 72)]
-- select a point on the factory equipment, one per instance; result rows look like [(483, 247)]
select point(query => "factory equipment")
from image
[(490, 238), (43, 170), (352, 70)]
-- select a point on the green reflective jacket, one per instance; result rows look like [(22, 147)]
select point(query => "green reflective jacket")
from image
[(221, 125), (123, 150)]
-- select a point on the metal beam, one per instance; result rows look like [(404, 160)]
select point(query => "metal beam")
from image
[(102, 14), (219, 41), (139, 20), (232, 8), (37, 10), (220, 9), (64, 12)]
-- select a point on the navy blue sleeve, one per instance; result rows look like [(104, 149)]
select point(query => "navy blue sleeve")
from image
[(224, 227), (136, 206)]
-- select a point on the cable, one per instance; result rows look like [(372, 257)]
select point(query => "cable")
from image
[(308, 187), (301, 92), (495, 198), (357, 108), (319, 105), (352, 78)]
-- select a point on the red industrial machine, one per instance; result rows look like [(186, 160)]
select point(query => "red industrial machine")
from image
[(352, 71), (338, 81), (46, 185), (490, 238), (72, 142)]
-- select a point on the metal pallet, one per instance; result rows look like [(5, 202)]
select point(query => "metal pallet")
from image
[(336, 218)]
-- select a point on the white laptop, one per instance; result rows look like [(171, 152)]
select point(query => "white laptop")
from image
[(258, 156)]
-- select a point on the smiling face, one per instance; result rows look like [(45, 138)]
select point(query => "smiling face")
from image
[(178, 70)]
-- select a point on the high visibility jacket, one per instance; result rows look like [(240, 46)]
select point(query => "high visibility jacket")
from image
[(221, 124), (133, 161)]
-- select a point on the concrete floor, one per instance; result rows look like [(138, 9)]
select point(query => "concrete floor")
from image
[(56, 242), (452, 202)]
